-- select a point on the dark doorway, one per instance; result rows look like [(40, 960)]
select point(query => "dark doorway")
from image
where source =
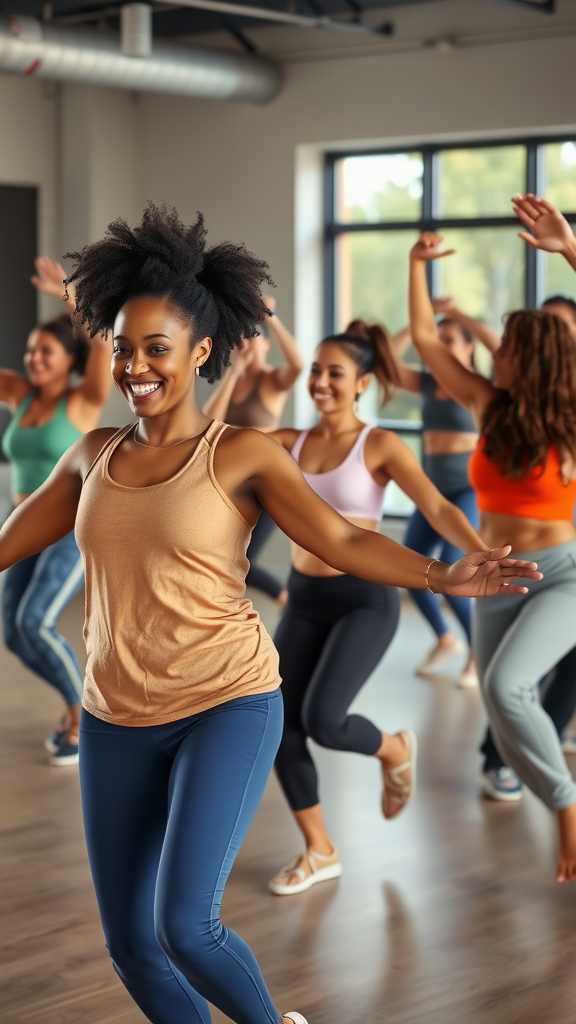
[(18, 299)]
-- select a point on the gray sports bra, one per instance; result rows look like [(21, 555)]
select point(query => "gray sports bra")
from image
[(443, 413)]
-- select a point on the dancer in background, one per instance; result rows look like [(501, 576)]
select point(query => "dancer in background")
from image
[(336, 627), (524, 474), (449, 436), (182, 709), (49, 414), (253, 394)]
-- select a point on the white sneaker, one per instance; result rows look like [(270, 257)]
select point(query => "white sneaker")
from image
[(468, 679), (296, 1017), (436, 656)]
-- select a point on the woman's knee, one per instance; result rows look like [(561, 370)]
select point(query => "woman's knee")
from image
[(503, 690), (322, 727), (28, 625), (186, 941)]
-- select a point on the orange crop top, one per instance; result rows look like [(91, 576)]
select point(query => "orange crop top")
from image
[(541, 494)]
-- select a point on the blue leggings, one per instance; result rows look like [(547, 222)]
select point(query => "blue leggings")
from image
[(166, 809), (423, 538), (36, 591)]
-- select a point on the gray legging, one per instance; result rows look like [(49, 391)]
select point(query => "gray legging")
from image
[(518, 638)]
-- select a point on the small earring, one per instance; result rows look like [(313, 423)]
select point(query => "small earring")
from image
[(197, 371)]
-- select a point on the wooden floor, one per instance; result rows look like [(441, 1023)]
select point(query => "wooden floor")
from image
[(448, 916)]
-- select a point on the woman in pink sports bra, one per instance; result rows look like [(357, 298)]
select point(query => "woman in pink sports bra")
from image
[(337, 627)]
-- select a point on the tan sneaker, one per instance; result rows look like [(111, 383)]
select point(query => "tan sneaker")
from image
[(310, 868), (400, 782)]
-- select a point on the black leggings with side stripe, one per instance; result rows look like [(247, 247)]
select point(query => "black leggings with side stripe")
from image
[(331, 637)]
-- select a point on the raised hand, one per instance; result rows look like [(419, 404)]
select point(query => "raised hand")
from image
[(49, 277), (241, 358), (269, 302), (483, 573), (428, 247), (548, 229), (444, 303)]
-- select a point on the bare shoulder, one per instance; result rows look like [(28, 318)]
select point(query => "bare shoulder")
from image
[(14, 387), (286, 436), (251, 449), (382, 445), (89, 446)]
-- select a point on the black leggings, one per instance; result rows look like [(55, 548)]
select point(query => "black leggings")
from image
[(559, 701), (257, 577), (331, 637)]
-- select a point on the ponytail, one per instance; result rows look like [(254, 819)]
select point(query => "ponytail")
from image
[(369, 347)]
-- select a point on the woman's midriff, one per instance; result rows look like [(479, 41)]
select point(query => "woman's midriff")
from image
[(448, 442), (498, 529), (310, 565)]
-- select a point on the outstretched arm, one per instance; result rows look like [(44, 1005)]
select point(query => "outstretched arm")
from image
[(402, 466), (547, 228), (284, 376), (275, 481), (48, 514), (463, 385), (446, 306)]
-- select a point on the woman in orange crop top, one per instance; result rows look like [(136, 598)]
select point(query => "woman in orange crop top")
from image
[(182, 712), (524, 474)]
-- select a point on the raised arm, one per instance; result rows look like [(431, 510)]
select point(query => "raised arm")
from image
[(409, 377), (463, 385), (284, 376), (446, 306), (547, 228), (217, 405), (13, 388), (97, 379)]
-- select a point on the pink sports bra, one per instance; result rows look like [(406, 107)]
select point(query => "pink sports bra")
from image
[(349, 488)]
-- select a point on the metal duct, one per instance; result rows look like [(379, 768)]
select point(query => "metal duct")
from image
[(30, 47)]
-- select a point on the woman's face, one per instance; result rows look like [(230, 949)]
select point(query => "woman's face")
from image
[(333, 383), (45, 359), (153, 363), (451, 336)]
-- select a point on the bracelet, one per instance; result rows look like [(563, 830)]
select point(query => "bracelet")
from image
[(428, 567)]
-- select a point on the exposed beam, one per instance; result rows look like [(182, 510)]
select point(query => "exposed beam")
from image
[(284, 17)]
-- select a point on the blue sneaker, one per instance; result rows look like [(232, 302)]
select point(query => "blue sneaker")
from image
[(54, 741), (67, 753), (501, 784)]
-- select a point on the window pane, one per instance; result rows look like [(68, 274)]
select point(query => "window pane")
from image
[(558, 276), (479, 182), (372, 285), (560, 174), (486, 273), (370, 189)]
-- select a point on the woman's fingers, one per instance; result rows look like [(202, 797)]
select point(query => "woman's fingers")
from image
[(528, 238)]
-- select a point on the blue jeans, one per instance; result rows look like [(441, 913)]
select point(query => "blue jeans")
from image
[(166, 809), (36, 591), (423, 538)]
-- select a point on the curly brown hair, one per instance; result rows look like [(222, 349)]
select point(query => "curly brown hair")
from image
[(539, 410)]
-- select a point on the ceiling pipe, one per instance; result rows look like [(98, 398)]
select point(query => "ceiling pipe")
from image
[(44, 50), (136, 30)]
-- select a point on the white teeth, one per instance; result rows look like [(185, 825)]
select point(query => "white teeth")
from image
[(144, 389)]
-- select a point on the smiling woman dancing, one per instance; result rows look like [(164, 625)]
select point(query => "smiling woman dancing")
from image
[(524, 474), (182, 712)]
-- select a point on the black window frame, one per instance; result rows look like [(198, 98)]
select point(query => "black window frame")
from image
[(428, 222)]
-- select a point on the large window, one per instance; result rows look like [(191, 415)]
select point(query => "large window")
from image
[(378, 202)]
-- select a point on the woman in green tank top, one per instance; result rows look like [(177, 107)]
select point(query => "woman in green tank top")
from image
[(48, 416)]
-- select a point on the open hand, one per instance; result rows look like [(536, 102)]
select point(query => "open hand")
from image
[(483, 573), (49, 277), (428, 247), (550, 230)]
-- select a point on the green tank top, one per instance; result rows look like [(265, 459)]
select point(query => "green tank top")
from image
[(34, 451)]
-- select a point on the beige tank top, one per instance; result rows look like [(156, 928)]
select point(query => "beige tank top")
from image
[(168, 629)]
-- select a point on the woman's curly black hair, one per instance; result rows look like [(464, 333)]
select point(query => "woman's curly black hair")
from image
[(216, 290)]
